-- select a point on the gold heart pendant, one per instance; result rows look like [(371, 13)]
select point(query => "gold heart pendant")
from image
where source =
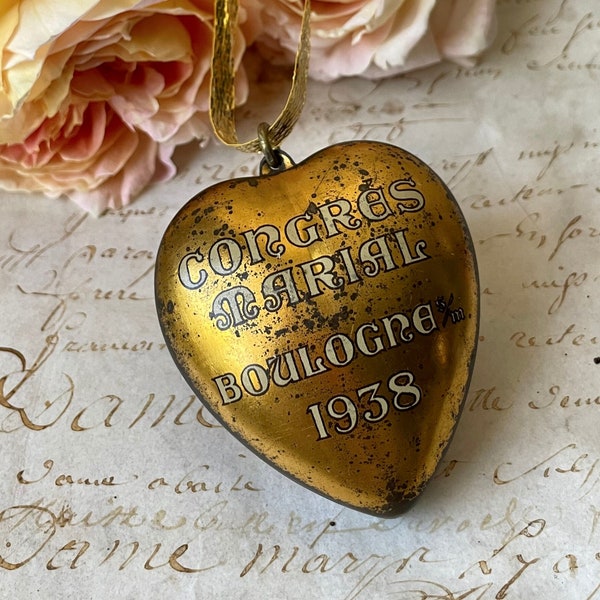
[(327, 315)]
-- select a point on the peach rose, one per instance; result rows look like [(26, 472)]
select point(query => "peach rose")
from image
[(95, 94), (377, 38)]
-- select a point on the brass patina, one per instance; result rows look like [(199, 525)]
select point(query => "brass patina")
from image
[(328, 316)]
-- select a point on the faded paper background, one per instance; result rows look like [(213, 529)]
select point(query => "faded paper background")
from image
[(115, 482)]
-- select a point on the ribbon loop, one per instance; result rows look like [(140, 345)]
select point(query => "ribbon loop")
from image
[(222, 84)]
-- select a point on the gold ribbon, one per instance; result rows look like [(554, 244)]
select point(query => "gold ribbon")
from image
[(222, 84)]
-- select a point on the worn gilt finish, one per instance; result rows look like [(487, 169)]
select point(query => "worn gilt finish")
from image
[(328, 317)]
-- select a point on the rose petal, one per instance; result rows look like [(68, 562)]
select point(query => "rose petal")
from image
[(95, 95), (377, 38), (463, 28)]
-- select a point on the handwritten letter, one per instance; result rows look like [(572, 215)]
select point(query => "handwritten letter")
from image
[(115, 477)]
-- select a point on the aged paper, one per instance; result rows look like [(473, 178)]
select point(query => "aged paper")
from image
[(116, 482)]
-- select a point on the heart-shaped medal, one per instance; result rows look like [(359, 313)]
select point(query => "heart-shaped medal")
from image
[(327, 315)]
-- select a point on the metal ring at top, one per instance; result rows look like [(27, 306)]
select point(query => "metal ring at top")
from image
[(272, 156)]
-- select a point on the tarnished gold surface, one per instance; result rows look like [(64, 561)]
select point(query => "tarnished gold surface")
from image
[(328, 317)]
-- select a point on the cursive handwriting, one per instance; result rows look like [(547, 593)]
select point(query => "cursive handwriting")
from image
[(563, 284), (570, 335), (568, 461), (562, 400)]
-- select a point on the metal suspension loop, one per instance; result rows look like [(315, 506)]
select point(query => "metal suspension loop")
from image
[(272, 155), (274, 160)]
